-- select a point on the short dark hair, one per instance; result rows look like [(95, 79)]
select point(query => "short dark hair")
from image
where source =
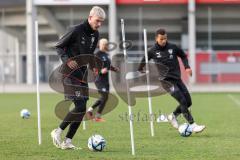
[(160, 31)]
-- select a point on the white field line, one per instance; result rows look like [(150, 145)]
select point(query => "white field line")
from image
[(234, 99)]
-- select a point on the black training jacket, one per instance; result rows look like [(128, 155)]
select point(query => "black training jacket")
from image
[(79, 40), (166, 58), (106, 63)]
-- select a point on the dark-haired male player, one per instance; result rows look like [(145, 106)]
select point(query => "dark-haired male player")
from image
[(166, 54)]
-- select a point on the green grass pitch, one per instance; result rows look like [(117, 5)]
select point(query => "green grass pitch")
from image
[(220, 140)]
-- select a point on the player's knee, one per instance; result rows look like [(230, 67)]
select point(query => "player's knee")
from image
[(189, 104), (100, 101), (184, 103), (105, 97)]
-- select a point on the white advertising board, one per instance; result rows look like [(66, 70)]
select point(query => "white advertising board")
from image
[(70, 2)]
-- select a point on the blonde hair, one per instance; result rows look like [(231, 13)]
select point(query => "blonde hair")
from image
[(103, 41), (103, 44), (97, 11)]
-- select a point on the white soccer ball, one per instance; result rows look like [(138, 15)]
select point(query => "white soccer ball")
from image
[(25, 114), (96, 143), (185, 130)]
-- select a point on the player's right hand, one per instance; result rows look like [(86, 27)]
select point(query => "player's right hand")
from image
[(72, 64)]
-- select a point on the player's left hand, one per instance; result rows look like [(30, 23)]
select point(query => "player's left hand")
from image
[(104, 70), (189, 71)]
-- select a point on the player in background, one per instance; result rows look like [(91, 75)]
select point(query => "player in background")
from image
[(102, 81)]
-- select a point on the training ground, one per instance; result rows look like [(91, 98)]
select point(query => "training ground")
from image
[(219, 141)]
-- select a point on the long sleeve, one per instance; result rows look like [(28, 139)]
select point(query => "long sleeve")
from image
[(142, 62), (114, 69), (62, 45), (183, 56)]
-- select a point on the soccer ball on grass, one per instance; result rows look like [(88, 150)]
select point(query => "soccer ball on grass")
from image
[(96, 143)]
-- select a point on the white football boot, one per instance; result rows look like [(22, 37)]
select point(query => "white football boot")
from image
[(67, 144), (197, 128), (173, 120), (56, 137)]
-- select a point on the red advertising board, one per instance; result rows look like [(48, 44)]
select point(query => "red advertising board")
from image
[(177, 1), (202, 57), (228, 57)]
